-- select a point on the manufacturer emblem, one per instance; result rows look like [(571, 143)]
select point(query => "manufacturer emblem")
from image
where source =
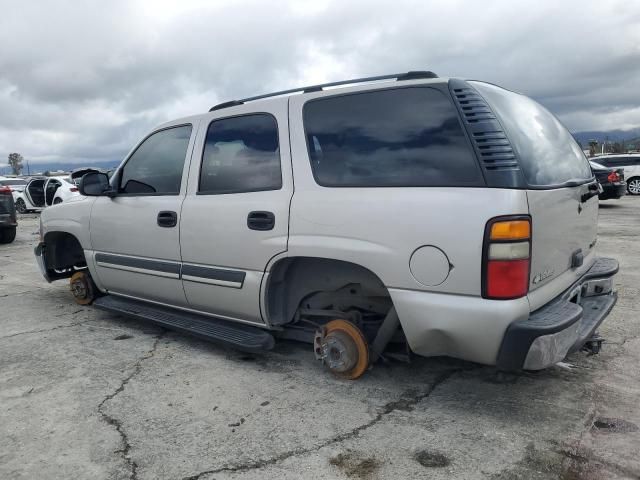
[(542, 276)]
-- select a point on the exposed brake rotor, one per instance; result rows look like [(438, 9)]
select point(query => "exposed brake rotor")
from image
[(342, 347), (82, 288)]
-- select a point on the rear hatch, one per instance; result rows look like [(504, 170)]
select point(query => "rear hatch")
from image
[(562, 192)]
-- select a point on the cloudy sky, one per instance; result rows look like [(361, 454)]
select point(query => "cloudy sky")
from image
[(83, 81)]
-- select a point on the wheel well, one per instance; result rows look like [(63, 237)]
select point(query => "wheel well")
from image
[(294, 279), (63, 252)]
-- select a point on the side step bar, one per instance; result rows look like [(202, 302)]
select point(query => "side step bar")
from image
[(240, 336)]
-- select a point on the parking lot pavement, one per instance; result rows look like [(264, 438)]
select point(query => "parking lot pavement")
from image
[(86, 394)]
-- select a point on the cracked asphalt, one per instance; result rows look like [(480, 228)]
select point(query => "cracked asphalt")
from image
[(87, 394)]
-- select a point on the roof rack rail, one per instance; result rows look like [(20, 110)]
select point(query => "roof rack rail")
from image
[(231, 103), (413, 75)]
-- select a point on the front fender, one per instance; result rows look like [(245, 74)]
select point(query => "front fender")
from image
[(72, 217)]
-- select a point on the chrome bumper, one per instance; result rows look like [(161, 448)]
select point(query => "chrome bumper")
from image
[(562, 326)]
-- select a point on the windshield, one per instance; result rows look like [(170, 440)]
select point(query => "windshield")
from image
[(548, 154)]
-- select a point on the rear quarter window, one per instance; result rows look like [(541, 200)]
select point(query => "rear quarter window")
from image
[(547, 152), (404, 137)]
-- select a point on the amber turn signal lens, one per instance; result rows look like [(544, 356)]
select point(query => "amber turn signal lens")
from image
[(511, 230)]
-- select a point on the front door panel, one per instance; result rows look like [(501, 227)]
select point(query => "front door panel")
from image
[(134, 256), (135, 235)]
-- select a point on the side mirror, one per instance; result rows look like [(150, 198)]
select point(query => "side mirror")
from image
[(94, 184)]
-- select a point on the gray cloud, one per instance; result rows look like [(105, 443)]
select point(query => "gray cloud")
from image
[(84, 81)]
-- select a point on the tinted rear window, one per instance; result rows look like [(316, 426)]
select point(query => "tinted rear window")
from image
[(241, 154), (619, 161), (548, 153), (405, 137)]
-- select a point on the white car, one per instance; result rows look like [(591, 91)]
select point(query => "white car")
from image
[(41, 192), (15, 184), (631, 165)]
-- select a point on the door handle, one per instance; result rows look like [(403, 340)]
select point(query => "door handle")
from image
[(261, 220), (167, 219)]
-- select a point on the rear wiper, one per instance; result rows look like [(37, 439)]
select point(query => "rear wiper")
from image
[(576, 182)]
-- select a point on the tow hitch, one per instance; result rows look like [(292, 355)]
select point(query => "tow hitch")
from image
[(594, 344)]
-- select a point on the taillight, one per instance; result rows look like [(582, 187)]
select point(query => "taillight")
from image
[(613, 177), (506, 257), (73, 189), (5, 189)]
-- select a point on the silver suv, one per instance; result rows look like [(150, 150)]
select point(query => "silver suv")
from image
[(401, 214)]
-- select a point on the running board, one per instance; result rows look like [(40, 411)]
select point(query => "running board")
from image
[(240, 336)]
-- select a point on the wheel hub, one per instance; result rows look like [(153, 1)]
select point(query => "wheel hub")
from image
[(342, 347), (634, 187), (81, 288), (339, 352)]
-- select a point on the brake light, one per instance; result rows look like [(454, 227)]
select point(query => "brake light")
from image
[(613, 177), (506, 258), (5, 189)]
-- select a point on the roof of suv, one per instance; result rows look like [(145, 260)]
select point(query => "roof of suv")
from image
[(382, 81), (398, 77)]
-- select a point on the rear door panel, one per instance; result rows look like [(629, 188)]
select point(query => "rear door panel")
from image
[(223, 259), (35, 192), (561, 226)]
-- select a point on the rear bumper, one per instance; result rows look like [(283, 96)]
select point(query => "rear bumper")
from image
[(563, 325), (7, 220), (613, 190)]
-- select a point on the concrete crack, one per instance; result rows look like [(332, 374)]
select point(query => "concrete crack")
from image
[(117, 424), (580, 458), (45, 329), (404, 404)]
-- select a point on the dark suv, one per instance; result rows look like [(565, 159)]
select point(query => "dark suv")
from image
[(8, 222)]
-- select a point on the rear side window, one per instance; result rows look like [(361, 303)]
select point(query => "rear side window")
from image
[(405, 137), (241, 154), (156, 165), (604, 161), (548, 153), (620, 161)]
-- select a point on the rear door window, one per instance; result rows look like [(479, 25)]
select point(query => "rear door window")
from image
[(548, 153), (403, 137), (241, 154)]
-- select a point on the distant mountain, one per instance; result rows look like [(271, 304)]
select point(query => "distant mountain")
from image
[(627, 136)]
